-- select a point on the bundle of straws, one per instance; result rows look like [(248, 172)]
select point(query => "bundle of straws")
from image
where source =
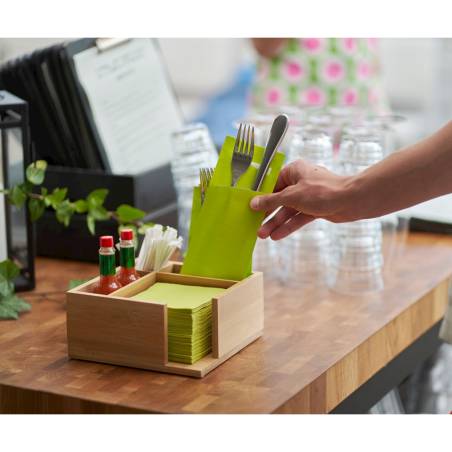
[(158, 245)]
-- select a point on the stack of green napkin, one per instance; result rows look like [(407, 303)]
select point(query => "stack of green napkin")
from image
[(189, 318)]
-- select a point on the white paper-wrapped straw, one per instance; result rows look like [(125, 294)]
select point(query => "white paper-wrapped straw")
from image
[(157, 248)]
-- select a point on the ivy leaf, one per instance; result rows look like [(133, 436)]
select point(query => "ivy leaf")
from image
[(81, 206), (64, 212), (36, 208), (128, 213), (56, 198), (9, 269), (36, 172), (11, 306), (7, 313), (17, 196), (96, 198), (99, 213), (91, 223), (6, 287), (16, 303)]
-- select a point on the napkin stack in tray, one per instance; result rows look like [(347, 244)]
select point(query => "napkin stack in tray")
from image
[(189, 318)]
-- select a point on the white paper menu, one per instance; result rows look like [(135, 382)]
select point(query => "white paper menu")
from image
[(132, 102)]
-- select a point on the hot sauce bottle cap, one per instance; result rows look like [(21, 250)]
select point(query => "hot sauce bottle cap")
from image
[(106, 241), (126, 234)]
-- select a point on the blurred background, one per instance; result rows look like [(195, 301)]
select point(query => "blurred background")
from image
[(212, 78)]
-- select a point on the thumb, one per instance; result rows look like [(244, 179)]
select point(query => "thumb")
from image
[(267, 203)]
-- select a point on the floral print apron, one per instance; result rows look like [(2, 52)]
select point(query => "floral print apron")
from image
[(321, 72)]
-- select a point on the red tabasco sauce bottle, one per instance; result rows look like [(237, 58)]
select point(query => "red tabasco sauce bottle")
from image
[(127, 272), (107, 267)]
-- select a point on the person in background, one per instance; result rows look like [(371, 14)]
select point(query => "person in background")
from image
[(318, 72)]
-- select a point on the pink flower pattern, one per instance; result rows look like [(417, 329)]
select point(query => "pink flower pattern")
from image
[(313, 96), (312, 45), (294, 71), (350, 97), (334, 70), (273, 96), (349, 45), (319, 72), (364, 70)]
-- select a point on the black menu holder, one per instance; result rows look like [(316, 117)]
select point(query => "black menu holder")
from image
[(152, 191)]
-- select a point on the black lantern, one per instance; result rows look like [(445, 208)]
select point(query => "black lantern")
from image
[(16, 231)]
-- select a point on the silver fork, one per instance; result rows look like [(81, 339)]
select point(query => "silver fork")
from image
[(205, 175), (242, 156)]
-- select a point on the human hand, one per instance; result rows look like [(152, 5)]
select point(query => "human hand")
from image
[(304, 192)]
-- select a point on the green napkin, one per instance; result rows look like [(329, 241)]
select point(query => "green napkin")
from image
[(223, 230), (189, 318)]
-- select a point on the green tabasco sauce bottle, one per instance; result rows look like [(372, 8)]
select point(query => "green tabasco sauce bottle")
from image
[(127, 272), (107, 267)]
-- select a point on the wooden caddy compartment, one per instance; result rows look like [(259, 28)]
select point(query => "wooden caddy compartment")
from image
[(115, 329)]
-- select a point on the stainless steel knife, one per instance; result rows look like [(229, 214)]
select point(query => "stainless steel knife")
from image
[(277, 132)]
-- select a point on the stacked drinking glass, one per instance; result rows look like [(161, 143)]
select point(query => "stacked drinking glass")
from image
[(357, 263), (305, 254), (193, 149)]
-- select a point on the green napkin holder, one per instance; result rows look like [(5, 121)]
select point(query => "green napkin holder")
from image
[(223, 230)]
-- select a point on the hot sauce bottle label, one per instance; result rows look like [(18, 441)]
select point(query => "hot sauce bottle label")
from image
[(107, 264), (127, 257)]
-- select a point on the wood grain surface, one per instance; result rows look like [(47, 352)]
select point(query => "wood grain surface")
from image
[(317, 347)]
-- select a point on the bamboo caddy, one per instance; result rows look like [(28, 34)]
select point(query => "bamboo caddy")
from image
[(115, 329)]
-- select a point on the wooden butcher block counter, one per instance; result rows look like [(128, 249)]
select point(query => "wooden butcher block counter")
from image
[(320, 351)]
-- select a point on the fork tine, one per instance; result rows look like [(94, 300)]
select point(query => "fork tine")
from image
[(237, 138), (247, 141), (242, 139), (251, 149)]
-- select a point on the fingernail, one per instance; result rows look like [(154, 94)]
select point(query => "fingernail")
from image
[(255, 203)]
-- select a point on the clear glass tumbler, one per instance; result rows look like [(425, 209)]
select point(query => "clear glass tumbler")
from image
[(193, 149)]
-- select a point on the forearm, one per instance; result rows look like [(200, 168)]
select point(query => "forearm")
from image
[(418, 173)]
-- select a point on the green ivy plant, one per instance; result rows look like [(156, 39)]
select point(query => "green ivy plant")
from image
[(37, 198)]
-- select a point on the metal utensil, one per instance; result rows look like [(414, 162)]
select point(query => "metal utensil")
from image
[(205, 175), (277, 132), (242, 156)]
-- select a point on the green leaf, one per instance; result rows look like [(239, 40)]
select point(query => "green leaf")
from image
[(81, 206), (16, 303), (36, 208), (144, 227), (36, 172), (99, 213), (11, 306), (7, 313), (91, 223), (64, 212), (17, 196), (44, 191), (6, 286), (9, 269), (56, 198), (97, 197), (128, 213)]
